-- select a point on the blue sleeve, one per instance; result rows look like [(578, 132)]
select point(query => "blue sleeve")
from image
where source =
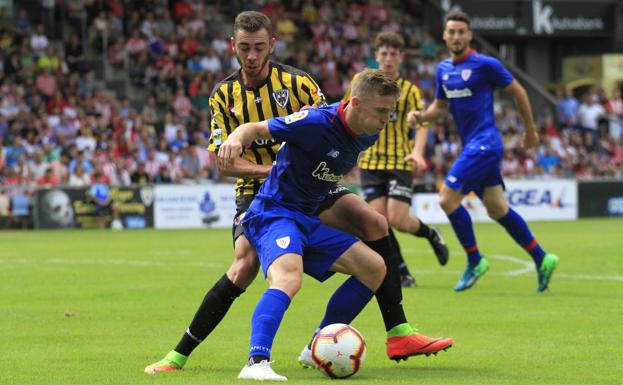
[(300, 128), (439, 92), (497, 74)]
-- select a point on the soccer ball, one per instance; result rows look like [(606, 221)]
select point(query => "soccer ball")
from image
[(338, 350)]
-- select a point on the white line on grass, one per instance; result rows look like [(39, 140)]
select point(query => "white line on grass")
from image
[(126, 262), (527, 267)]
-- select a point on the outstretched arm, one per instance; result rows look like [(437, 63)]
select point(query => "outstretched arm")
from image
[(242, 137)]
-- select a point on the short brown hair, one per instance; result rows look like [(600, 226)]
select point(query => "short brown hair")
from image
[(252, 21), (390, 39), (372, 82), (456, 16)]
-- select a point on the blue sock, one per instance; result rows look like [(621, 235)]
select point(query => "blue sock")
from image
[(464, 230), (517, 227), (346, 303), (266, 318)]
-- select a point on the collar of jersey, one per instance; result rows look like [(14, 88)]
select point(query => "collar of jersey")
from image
[(340, 115), (262, 84), (464, 57)]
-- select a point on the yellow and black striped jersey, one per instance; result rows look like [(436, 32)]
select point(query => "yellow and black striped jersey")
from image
[(285, 90), (395, 140)]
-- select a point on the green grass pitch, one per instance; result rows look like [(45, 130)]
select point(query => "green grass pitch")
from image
[(96, 307)]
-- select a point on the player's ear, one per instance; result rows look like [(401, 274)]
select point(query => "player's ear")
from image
[(355, 101), (272, 44), (232, 44)]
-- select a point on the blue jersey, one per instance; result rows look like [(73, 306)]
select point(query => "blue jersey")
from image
[(319, 149), (468, 85)]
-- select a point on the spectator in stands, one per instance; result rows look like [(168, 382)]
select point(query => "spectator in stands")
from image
[(78, 177), (74, 54), (614, 108), (140, 175), (38, 166), (589, 114), (80, 159), (567, 107), (47, 179), (38, 41), (46, 84)]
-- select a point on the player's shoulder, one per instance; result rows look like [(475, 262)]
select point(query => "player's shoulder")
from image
[(487, 60), (289, 69), (445, 64), (223, 84)]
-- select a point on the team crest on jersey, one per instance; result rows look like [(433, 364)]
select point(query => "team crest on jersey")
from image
[(281, 97), (296, 116), (465, 74), (283, 242)]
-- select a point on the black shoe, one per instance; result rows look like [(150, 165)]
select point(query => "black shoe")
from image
[(407, 281), (439, 246)]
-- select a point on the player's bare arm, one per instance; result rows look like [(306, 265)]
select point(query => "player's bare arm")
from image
[(243, 168), (242, 137), (437, 109), (417, 153), (531, 136)]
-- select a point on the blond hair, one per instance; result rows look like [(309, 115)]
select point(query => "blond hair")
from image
[(373, 82)]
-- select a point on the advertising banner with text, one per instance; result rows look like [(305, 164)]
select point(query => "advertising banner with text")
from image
[(194, 206), (534, 200)]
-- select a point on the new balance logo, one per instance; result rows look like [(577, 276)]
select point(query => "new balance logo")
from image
[(333, 153)]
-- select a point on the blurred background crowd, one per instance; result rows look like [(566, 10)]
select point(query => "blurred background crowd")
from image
[(60, 122)]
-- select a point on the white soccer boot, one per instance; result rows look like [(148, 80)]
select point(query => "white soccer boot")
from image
[(260, 372), (305, 358)]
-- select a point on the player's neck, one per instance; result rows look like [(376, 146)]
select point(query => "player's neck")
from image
[(256, 81), (460, 56), (394, 75), (351, 120)]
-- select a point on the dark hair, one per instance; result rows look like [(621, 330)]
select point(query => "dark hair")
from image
[(390, 39), (456, 16), (371, 82), (252, 21)]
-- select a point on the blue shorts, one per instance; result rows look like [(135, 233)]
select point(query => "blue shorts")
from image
[(275, 231), (476, 169)]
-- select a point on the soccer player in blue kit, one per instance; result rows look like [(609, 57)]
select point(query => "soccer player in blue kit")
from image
[(466, 83), (321, 145)]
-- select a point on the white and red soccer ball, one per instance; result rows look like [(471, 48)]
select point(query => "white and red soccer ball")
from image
[(338, 350)]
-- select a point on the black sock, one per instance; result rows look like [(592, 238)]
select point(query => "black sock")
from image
[(258, 359), (389, 294), (215, 305), (402, 265), (423, 231)]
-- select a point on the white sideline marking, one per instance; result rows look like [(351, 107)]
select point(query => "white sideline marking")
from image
[(126, 262), (527, 267)]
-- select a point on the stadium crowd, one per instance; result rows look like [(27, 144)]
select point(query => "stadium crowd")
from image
[(59, 125)]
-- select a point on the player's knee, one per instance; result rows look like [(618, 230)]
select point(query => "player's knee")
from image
[(374, 225), (448, 205), (289, 282), (376, 273), (496, 211)]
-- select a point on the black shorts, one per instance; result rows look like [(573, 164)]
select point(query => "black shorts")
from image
[(395, 184), (242, 205), (334, 194)]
